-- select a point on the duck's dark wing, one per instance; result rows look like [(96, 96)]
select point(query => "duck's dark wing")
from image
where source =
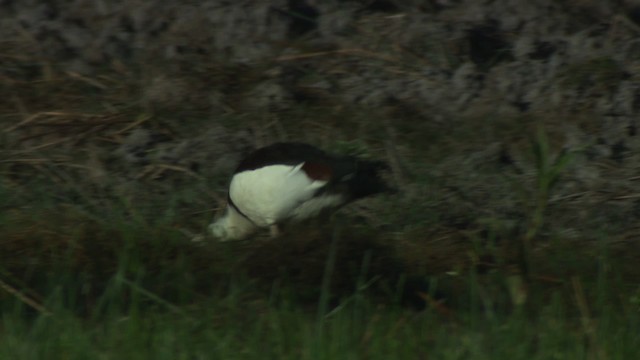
[(353, 177), (289, 153), (318, 165)]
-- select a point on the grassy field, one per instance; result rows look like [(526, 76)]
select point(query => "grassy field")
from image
[(77, 284), (145, 292), (485, 254)]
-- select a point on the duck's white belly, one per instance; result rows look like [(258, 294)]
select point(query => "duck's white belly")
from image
[(273, 193)]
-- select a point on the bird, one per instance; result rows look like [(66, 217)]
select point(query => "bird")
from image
[(291, 182)]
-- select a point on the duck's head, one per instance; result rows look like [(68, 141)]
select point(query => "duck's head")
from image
[(232, 226)]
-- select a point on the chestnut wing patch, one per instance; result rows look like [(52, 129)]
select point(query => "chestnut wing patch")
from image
[(318, 171)]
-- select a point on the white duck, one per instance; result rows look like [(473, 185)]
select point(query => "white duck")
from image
[(292, 181)]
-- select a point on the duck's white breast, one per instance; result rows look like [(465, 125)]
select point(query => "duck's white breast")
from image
[(272, 193)]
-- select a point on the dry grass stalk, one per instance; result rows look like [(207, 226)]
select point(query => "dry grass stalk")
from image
[(24, 298), (24, 122), (156, 170), (92, 82), (354, 52), (134, 124), (585, 316)]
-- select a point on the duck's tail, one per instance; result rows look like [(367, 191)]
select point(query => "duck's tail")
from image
[(368, 179)]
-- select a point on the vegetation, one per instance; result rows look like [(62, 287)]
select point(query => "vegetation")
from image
[(85, 290), (470, 261)]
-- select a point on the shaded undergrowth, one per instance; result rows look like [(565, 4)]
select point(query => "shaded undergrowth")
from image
[(470, 260), (75, 287)]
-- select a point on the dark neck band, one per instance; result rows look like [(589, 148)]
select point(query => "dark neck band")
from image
[(233, 205)]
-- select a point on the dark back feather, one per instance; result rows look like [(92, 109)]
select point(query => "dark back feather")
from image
[(356, 178), (289, 153), (367, 179)]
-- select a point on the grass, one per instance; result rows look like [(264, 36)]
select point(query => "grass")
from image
[(146, 292), (131, 322), (96, 257)]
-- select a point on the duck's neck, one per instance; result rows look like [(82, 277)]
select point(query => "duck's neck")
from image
[(233, 225)]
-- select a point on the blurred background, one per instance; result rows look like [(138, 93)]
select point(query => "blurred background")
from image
[(510, 128)]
